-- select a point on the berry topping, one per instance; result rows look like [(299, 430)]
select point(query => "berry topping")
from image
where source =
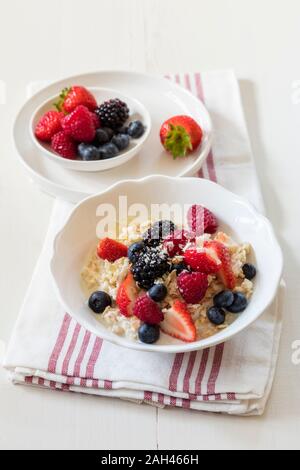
[(49, 125), (159, 231), (202, 261), (102, 136), (99, 301), (148, 311), (108, 151), (111, 250), (216, 315), (181, 135), (192, 286), (158, 292), (75, 96), (178, 322), (126, 296), (201, 220), (239, 304), (176, 241), (80, 125), (121, 141), (63, 145), (113, 113), (149, 334), (134, 251), (151, 265), (179, 267), (224, 299), (225, 273), (88, 152), (249, 271), (136, 129)]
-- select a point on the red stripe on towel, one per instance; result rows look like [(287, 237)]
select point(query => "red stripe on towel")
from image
[(71, 349), (81, 354), (175, 372), (59, 344), (215, 370)]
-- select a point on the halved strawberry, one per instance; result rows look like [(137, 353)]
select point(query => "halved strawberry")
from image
[(202, 261), (222, 252), (111, 250), (127, 295), (178, 323)]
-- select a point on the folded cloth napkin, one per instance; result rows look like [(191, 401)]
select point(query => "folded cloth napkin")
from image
[(49, 349)]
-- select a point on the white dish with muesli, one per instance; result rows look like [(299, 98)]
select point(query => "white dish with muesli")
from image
[(165, 286)]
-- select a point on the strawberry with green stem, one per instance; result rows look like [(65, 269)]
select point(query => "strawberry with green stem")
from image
[(181, 135)]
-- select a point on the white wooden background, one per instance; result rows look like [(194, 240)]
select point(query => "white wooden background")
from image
[(45, 40)]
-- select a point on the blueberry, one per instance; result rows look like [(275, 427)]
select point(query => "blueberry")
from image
[(158, 292), (121, 141), (239, 304), (99, 301), (216, 315), (179, 267), (88, 152), (108, 151), (109, 132), (149, 334), (224, 299), (102, 137), (249, 271), (136, 129), (134, 251), (123, 130)]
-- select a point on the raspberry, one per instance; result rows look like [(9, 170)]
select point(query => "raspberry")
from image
[(64, 146), (201, 220), (80, 125), (111, 250), (192, 286), (175, 242), (148, 311)]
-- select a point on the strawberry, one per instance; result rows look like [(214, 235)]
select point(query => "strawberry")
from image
[(201, 220), (62, 144), (202, 261), (180, 135), (192, 286), (71, 98), (49, 125), (226, 273), (175, 242), (178, 323), (111, 250), (148, 311), (80, 125), (126, 296)]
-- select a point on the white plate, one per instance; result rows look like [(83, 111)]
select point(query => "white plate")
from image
[(235, 215), (161, 97)]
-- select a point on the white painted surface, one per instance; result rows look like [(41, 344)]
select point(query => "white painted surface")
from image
[(42, 41)]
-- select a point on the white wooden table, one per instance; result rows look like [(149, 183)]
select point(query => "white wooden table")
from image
[(47, 40)]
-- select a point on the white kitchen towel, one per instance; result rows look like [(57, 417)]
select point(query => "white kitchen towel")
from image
[(49, 349)]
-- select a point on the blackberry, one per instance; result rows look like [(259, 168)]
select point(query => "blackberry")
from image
[(113, 113), (152, 264), (158, 231)]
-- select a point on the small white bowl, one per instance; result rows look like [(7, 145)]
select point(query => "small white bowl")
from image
[(137, 112), (235, 215)]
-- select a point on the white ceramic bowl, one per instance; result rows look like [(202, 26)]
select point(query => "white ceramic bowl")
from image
[(235, 214), (137, 112)]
